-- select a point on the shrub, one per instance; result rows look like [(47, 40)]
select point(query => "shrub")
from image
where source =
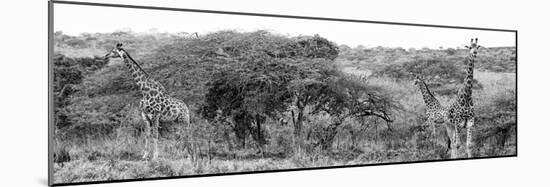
[(443, 77), (496, 125)]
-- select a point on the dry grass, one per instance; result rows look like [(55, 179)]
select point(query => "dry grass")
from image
[(79, 53), (119, 157), (104, 161)]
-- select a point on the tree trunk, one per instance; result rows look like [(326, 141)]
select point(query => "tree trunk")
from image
[(330, 134), (240, 128), (227, 139), (353, 136), (298, 124), (260, 138)]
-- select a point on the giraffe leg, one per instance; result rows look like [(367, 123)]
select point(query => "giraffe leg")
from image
[(155, 134), (456, 140), (187, 119), (451, 140), (181, 140), (191, 144), (448, 141), (469, 142), (147, 135), (433, 129)]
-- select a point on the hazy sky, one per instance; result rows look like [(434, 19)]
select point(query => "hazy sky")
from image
[(76, 19)]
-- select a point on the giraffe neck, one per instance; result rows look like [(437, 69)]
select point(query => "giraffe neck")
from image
[(466, 92), (137, 73), (429, 98)]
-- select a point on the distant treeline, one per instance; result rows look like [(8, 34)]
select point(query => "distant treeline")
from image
[(495, 59)]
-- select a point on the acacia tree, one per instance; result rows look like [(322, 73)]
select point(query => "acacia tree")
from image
[(307, 89), (315, 56), (248, 95), (348, 97), (275, 74), (290, 77)]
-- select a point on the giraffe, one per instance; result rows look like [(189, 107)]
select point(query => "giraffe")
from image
[(461, 111), (436, 113), (155, 105)]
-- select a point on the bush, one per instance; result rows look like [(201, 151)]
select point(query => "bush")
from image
[(496, 125), (443, 77), (497, 59)]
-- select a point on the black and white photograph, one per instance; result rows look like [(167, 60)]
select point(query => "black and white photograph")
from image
[(140, 93)]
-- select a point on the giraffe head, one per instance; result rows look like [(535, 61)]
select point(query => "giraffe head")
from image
[(474, 47), (116, 52), (417, 78)]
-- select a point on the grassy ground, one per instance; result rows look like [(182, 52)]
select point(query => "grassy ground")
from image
[(100, 165), (119, 157)]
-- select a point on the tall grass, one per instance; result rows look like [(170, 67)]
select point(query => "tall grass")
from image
[(118, 156)]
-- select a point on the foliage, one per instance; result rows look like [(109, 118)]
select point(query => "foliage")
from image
[(68, 74), (496, 125), (496, 59), (443, 77), (263, 101), (264, 83), (347, 96), (248, 95)]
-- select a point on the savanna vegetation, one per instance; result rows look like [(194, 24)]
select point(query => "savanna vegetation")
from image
[(263, 101)]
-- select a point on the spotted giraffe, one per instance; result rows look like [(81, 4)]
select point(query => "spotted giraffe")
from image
[(461, 111), (155, 105), (436, 113)]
